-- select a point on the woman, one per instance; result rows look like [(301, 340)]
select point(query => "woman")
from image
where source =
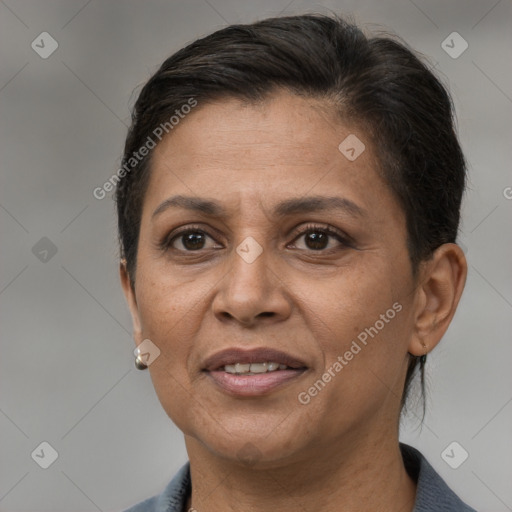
[(288, 208)]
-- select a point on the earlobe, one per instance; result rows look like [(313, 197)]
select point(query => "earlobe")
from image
[(129, 294), (442, 281)]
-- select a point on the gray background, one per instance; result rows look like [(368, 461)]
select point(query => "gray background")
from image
[(66, 362)]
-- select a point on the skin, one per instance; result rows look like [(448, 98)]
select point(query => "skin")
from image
[(340, 451)]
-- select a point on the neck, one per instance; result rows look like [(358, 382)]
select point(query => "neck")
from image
[(360, 476)]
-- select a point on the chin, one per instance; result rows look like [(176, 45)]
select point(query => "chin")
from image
[(256, 442)]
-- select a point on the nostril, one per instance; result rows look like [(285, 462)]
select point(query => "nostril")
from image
[(246, 320)]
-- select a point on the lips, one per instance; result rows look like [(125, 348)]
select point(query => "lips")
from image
[(232, 356), (249, 384)]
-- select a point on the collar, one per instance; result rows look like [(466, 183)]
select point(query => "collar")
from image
[(432, 494)]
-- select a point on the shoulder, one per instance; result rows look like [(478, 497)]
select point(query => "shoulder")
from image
[(432, 494), (172, 499)]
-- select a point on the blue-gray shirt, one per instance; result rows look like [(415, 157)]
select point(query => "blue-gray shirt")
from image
[(432, 494)]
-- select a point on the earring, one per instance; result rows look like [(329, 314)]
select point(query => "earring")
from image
[(423, 358), (139, 364)]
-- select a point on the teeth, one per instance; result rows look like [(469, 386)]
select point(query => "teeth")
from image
[(259, 368), (254, 368)]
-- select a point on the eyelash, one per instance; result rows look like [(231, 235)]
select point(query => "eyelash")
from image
[(167, 242)]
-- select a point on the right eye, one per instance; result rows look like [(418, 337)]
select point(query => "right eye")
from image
[(187, 240)]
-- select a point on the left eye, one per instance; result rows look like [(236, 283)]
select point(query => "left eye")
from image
[(317, 239)]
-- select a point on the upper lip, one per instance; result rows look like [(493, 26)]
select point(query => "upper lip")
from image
[(244, 356)]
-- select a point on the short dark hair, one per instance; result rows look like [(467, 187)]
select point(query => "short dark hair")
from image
[(376, 83)]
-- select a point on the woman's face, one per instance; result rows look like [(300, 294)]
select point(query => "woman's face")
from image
[(263, 276)]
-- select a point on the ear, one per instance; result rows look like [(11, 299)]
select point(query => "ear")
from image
[(129, 294), (442, 280)]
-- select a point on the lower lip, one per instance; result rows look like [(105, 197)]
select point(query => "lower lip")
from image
[(253, 385)]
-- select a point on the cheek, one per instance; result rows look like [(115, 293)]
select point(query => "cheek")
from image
[(349, 301), (359, 322), (166, 296), (169, 319), (169, 314)]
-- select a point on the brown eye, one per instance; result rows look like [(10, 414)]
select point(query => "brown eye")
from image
[(193, 241), (188, 241), (317, 238)]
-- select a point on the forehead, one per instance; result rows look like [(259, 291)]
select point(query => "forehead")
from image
[(279, 124), (284, 146)]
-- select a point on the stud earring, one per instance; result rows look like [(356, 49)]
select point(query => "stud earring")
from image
[(139, 364), (423, 358)]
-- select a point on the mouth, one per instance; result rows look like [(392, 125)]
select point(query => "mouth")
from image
[(252, 372)]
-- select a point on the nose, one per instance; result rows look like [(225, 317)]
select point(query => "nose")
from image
[(252, 292)]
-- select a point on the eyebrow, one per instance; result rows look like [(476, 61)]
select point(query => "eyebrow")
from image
[(285, 208)]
